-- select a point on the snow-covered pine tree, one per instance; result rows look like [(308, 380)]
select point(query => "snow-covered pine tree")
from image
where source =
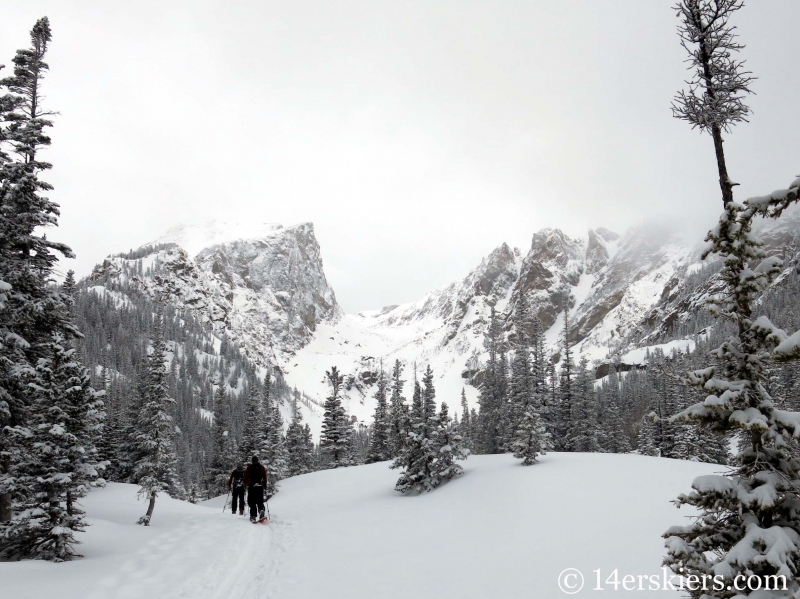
[(223, 449), (531, 438), (154, 470), (670, 402), (253, 434), (127, 453), (451, 448), (492, 399), (539, 368), (751, 512), (520, 386), (417, 409), (422, 442), (61, 461), (379, 447), (465, 426), (612, 429), (646, 442), (566, 397), (299, 459), (335, 439), (310, 453), (273, 453), (748, 524), (502, 388), (46, 400), (583, 425), (398, 411)]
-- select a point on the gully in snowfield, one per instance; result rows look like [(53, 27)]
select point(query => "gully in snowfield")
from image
[(236, 487), (255, 478)]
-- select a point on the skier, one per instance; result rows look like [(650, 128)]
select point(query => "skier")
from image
[(236, 487), (255, 477)]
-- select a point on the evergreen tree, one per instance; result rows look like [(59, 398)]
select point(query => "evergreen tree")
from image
[(33, 313), (647, 443), (431, 446), (465, 426), (336, 437), (309, 453), (612, 435), (61, 461), (492, 398), (748, 524), (223, 450), (253, 434), (746, 512), (539, 373), (530, 439), (398, 411), (299, 455), (379, 448), (565, 391), (583, 426), (154, 471), (451, 448), (274, 449), (521, 381)]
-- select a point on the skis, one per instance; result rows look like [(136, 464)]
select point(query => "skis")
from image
[(264, 520)]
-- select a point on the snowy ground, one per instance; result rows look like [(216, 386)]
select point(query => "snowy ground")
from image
[(500, 530)]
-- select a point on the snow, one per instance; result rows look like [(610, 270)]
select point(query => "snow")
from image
[(198, 236), (790, 346), (357, 343), (187, 551), (581, 292), (500, 530)]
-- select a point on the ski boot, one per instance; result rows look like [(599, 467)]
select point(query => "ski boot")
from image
[(241, 512)]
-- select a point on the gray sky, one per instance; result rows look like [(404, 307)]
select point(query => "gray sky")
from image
[(416, 135)]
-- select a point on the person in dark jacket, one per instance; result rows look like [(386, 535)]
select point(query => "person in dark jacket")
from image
[(255, 478), (236, 487)]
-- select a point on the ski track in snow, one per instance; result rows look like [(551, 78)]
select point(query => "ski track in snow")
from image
[(182, 556), (189, 551)]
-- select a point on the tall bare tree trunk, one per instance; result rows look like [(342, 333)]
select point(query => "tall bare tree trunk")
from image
[(725, 184)]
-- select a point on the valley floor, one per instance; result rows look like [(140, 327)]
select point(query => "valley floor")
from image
[(500, 530)]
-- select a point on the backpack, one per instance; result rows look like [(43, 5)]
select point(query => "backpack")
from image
[(238, 479), (256, 475)]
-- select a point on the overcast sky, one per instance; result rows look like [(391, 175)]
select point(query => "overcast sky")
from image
[(415, 135)]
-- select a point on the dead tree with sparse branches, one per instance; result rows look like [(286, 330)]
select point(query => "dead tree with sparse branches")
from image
[(715, 98)]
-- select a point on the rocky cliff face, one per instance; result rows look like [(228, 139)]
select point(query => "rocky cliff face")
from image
[(268, 292)]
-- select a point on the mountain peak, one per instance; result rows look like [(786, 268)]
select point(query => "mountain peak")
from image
[(195, 237)]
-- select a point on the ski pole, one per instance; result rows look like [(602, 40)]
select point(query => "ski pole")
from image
[(269, 518), (226, 502)]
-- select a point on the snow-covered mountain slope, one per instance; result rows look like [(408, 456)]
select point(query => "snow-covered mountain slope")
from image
[(609, 282), (264, 287), (499, 530)]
